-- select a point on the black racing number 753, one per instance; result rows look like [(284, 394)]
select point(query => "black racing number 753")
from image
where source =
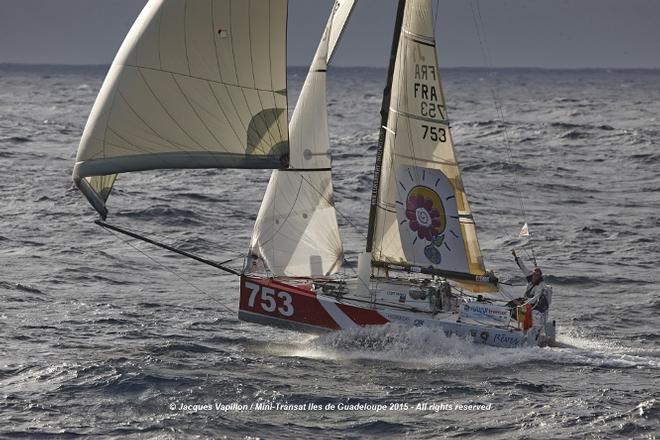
[(434, 133)]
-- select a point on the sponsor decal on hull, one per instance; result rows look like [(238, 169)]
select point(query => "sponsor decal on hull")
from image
[(507, 339), (484, 311)]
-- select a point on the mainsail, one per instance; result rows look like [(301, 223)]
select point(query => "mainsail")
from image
[(421, 219), (296, 232), (195, 84)]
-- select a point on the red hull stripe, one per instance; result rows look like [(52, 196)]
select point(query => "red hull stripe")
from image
[(282, 301), (268, 301), (342, 320), (281, 323), (363, 317)]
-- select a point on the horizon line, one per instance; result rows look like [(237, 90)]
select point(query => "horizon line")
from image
[(107, 65)]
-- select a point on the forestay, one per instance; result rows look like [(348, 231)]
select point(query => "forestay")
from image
[(296, 232), (422, 216), (196, 84)]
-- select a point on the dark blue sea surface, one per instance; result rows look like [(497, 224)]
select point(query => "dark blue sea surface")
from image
[(100, 336)]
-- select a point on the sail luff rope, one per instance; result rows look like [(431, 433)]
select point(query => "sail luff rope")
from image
[(397, 44), (479, 25), (401, 55), (384, 113)]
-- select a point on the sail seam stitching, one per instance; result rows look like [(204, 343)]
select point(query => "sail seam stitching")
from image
[(172, 144), (138, 148), (275, 92), (223, 83), (254, 77), (194, 110), (153, 93), (185, 35), (224, 113), (260, 115)]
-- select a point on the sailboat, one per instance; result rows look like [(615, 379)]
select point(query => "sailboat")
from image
[(202, 84)]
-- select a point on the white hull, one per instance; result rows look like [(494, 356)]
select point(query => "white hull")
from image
[(306, 307)]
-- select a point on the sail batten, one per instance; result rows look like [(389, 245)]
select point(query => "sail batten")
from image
[(196, 84), (420, 213)]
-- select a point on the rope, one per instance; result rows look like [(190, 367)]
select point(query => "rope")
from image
[(478, 23), (167, 240), (332, 203), (168, 269)]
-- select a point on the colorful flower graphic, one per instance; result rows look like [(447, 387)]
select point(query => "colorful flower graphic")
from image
[(425, 212), (428, 220)]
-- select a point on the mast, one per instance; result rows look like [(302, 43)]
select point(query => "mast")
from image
[(420, 215), (384, 115)]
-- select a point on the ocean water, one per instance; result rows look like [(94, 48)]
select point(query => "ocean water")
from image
[(105, 337)]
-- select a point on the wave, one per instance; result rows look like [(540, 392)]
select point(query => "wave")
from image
[(566, 125), (355, 184), (17, 139), (488, 123), (344, 156), (593, 230), (496, 166), (382, 427), (566, 100), (164, 215), (573, 134), (423, 348), (582, 280), (198, 197), (646, 158), (20, 287), (570, 126), (172, 347)]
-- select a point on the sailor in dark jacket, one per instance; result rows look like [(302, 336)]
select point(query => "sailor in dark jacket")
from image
[(538, 293)]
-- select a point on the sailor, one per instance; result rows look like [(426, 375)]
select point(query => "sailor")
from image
[(538, 293)]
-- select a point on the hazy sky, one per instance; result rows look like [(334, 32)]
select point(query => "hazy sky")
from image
[(529, 33)]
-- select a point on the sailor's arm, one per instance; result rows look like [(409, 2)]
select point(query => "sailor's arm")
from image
[(541, 299), (525, 270)]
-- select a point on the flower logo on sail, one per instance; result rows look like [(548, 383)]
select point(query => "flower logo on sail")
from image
[(425, 213), (428, 220)]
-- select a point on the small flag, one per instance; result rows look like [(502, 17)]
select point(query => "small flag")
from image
[(524, 231)]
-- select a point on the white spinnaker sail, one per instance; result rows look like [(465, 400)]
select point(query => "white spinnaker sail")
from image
[(296, 232), (423, 218), (195, 84)]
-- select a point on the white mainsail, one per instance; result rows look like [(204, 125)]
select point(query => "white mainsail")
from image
[(296, 232), (195, 84), (422, 216)]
